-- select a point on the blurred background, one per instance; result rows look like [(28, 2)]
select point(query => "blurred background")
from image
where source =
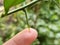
[(44, 16)]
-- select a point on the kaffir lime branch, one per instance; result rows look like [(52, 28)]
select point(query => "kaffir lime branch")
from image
[(20, 8)]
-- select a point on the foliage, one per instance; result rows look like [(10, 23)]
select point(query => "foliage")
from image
[(1, 41), (43, 16)]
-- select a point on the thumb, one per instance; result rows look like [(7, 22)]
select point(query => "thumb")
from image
[(25, 37)]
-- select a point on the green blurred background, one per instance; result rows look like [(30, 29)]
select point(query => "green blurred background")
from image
[(44, 16)]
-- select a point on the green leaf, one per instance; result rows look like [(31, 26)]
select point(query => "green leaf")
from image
[(1, 42), (9, 3)]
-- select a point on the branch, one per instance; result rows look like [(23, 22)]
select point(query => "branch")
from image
[(20, 8)]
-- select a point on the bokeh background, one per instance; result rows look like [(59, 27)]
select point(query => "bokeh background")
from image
[(44, 16)]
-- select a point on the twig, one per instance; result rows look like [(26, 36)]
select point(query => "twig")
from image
[(20, 8)]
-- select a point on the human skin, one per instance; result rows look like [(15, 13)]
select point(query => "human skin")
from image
[(25, 37)]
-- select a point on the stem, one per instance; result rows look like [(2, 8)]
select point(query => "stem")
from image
[(21, 8), (26, 18)]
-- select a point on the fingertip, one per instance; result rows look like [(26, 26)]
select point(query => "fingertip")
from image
[(25, 37)]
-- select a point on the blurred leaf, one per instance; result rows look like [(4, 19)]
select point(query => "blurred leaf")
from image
[(53, 27), (1, 41), (51, 34), (54, 17)]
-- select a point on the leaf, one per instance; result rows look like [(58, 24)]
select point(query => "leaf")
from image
[(9, 3), (1, 42)]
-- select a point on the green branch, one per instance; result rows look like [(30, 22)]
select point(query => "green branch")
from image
[(20, 8)]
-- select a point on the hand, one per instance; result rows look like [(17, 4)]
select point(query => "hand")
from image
[(25, 37)]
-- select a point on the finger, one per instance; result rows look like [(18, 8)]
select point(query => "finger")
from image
[(25, 37)]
